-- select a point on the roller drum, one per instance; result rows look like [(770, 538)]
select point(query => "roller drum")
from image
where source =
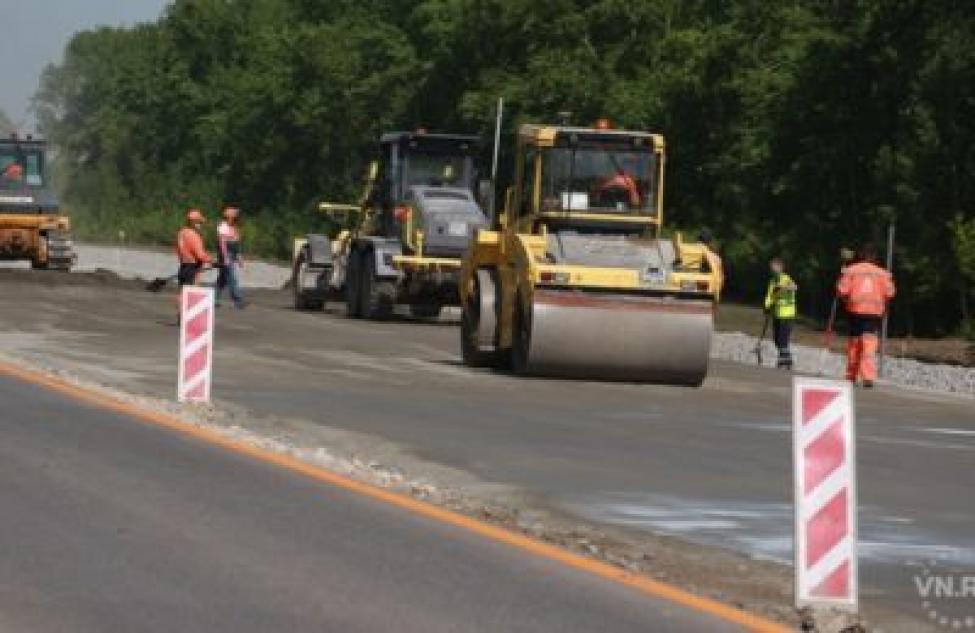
[(618, 337)]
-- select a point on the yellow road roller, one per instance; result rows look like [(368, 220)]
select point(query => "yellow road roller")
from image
[(575, 278)]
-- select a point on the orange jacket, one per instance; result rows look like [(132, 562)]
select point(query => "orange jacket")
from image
[(865, 289), (189, 247), (625, 182)]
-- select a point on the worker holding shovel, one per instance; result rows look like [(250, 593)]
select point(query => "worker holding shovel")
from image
[(865, 290), (780, 306)]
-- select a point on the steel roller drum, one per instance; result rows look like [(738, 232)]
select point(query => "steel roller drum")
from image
[(620, 337)]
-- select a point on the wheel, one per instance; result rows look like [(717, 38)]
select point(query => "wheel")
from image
[(482, 300), (60, 251), (425, 310), (304, 299), (521, 338), (377, 296), (353, 304)]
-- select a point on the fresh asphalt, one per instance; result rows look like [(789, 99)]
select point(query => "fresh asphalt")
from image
[(110, 524), (711, 465)]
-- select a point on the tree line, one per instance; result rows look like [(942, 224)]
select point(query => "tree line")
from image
[(794, 127)]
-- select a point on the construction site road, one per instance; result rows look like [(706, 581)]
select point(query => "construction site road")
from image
[(710, 466), (110, 524)]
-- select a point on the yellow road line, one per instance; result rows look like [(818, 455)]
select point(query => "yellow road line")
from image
[(525, 543)]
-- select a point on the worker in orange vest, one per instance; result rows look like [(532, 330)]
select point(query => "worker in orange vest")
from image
[(622, 181), (865, 289), (190, 250)]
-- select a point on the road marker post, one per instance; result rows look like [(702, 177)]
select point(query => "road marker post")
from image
[(824, 471), (195, 344)]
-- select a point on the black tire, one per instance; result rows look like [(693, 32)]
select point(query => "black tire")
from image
[(60, 254), (470, 322), (469, 350), (304, 299), (378, 296), (425, 310), (521, 338), (353, 297)]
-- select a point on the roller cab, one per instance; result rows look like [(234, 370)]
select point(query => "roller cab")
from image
[(575, 279)]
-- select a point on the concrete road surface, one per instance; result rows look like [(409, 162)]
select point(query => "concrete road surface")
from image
[(110, 524), (711, 466)]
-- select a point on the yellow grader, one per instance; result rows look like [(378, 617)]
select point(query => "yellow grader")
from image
[(575, 279), (403, 242), (32, 226)]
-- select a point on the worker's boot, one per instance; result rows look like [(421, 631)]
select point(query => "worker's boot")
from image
[(785, 360)]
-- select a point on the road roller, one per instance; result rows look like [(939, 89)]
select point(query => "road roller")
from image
[(575, 278)]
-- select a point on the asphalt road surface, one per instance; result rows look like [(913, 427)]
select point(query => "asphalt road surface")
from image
[(712, 466), (113, 525)]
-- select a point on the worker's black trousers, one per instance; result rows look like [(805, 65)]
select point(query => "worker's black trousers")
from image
[(781, 333)]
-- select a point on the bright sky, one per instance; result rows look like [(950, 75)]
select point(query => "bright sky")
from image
[(33, 33)]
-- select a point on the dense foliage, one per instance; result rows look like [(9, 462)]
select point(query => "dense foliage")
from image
[(794, 126)]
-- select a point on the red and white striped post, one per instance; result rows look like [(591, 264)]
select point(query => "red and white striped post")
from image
[(195, 344), (824, 457)]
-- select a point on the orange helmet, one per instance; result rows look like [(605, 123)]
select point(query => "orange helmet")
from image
[(195, 215), (230, 213), (14, 171)]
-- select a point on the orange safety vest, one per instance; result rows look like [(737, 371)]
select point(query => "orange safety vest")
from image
[(625, 182), (189, 247), (865, 289)]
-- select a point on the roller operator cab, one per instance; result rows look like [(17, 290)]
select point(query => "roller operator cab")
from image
[(575, 279), (32, 226), (403, 242)]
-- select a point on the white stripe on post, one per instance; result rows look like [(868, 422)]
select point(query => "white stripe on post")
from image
[(195, 344), (824, 469)]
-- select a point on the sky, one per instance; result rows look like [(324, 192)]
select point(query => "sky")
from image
[(33, 34)]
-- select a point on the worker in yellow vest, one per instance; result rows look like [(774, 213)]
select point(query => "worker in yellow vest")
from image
[(780, 305)]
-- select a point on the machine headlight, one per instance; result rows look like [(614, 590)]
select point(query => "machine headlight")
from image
[(694, 286), (551, 277)]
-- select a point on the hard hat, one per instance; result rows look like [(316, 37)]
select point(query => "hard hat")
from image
[(230, 213), (195, 215), (14, 171)]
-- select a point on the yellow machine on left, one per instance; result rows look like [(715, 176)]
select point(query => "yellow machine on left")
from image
[(32, 226)]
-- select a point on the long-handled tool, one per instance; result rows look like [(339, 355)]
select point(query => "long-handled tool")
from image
[(761, 339), (157, 284), (828, 337)]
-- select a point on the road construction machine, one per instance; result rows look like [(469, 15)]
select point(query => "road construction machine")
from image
[(575, 277), (32, 226), (402, 243)]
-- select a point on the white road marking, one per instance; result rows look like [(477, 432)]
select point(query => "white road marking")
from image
[(439, 368), (916, 443), (941, 431)]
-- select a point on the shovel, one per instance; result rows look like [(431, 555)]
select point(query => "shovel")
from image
[(157, 284), (828, 342), (761, 339)]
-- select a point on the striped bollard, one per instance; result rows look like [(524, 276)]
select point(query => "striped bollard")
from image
[(195, 344), (825, 493)]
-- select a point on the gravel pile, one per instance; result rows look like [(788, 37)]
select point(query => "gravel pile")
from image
[(141, 263), (740, 348)]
